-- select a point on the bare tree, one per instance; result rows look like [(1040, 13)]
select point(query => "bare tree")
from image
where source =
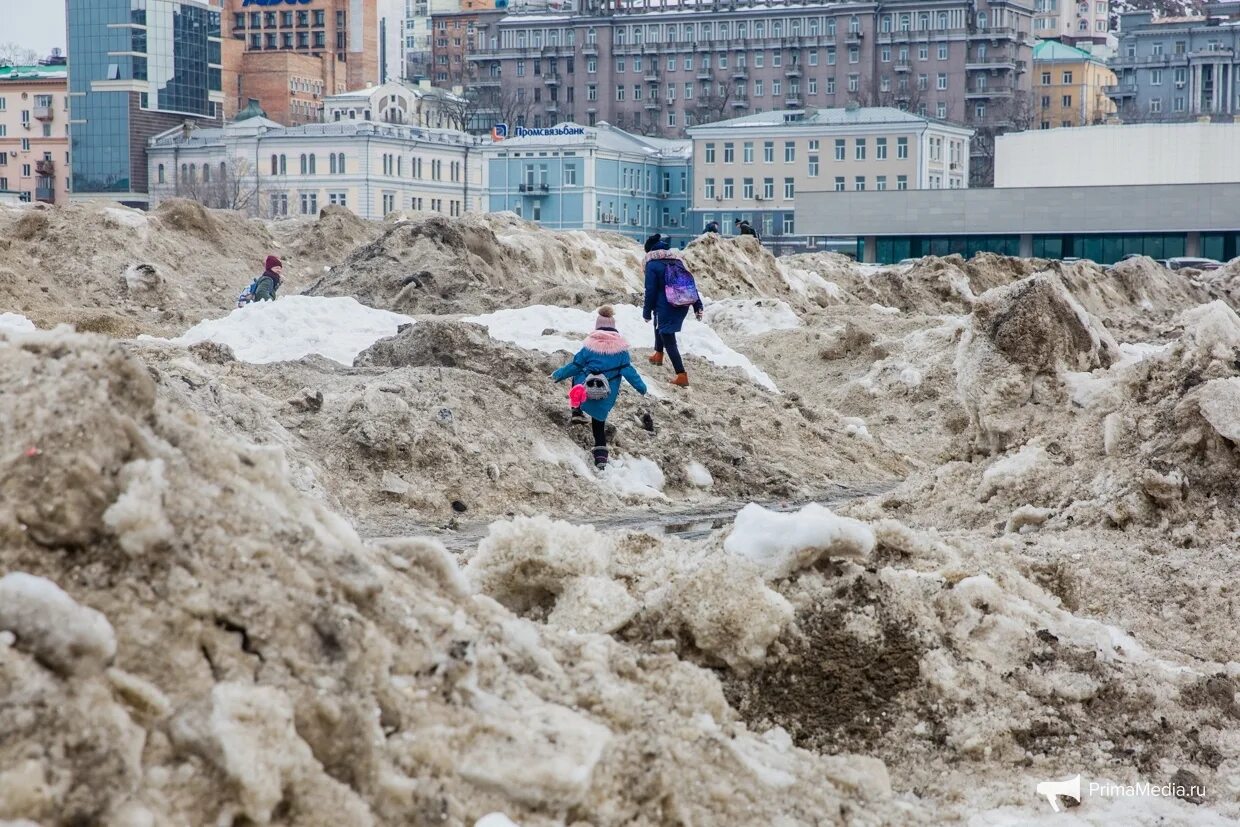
[(230, 186), (714, 99), (1014, 114), (502, 105), (14, 54)]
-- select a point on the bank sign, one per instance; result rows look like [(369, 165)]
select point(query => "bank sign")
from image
[(275, 3), (501, 131)]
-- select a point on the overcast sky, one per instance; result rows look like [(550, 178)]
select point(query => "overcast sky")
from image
[(34, 24)]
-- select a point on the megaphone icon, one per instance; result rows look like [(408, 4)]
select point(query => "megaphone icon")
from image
[(1070, 788)]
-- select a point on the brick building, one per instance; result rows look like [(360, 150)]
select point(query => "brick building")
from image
[(34, 132), (292, 56), (659, 70), (454, 38)]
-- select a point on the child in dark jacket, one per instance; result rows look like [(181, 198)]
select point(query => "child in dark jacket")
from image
[(667, 318), (606, 352)]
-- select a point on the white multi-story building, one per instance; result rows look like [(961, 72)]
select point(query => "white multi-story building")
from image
[(752, 167), (396, 103), (373, 169)]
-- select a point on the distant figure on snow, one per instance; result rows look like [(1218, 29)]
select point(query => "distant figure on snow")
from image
[(712, 227), (596, 372), (670, 292), (269, 282), (744, 228)]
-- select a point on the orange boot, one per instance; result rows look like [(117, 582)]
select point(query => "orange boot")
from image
[(681, 380), (656, 358)]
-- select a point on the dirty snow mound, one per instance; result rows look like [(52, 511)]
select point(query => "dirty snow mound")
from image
[(751, 317), (782, 543)]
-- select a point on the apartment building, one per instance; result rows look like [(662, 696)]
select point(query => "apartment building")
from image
[(34, 133), (1069, 87), (1081, 23), (289, 56), (419, 35), (136, 70), (660, 71), (571, 177), (455, 39), (753, 167), (263, 168), (1178, 68)]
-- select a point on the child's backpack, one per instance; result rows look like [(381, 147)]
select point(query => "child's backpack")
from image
[(247, 295), (597, 387), (678, 284)]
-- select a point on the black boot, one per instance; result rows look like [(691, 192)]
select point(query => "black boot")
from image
[(600, 458)]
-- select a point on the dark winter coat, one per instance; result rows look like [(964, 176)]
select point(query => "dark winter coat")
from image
[(268, 284), (605, 352), (712, 227), (746, 229), (668, 318)]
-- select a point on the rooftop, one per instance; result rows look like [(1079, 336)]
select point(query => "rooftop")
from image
[(217, 136), (839, 116), (1054, 50), (608, 137)]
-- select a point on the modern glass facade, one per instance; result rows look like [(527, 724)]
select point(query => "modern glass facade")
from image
[(1103, 248), (129, 58)]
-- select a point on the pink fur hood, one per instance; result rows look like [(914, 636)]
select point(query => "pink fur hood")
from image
[(658, 254), (608, 342)]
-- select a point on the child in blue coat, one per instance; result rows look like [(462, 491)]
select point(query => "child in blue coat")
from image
[(604, 351)]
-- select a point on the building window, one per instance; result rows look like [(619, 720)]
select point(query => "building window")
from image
[(309, 203), (1067, 101), (901, 148), (729, 189), (790, 152), (942, 51), (880, 183), (710, 153), (729, 152), (1046, 78), (901, 182), (839, 183), (1155, 106), (340, 199), (1067, 77), (789, 188), (979, 111), (860, 150), (708, 188), (162, 178), (747, 188), (789, 226), (813, 166), (570, 175)]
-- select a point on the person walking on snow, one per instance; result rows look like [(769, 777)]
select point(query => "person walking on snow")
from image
[(745, 228), (603, 358), (269, 282), (667, 318)]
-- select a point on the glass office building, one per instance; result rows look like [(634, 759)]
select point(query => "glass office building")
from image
[(136, 68)]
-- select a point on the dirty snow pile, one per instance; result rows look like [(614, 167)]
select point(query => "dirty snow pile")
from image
[(162, 661), (297, 326)]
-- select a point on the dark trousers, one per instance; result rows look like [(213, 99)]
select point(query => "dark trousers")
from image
[(599, 428), (666, 343)]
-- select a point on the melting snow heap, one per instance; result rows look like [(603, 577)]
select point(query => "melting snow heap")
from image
[(186, 639)]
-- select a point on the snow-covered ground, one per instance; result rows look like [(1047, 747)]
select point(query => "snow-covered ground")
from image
[(15, 321), (295, 326)]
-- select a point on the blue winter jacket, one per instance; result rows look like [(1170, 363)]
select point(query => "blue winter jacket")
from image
[(668, 318), (605, 352)]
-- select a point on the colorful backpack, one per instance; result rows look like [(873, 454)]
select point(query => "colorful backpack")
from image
[(247, 295), (678, 284)]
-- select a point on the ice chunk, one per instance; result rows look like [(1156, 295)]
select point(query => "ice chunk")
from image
[(15, 321), (60, 632), (137, 517), (635, 476), (1220, 405), (751, 317), (699, 474), (1011, 470), (495, 820), (782, 543)]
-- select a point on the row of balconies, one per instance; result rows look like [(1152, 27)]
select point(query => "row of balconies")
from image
[(533, 188)]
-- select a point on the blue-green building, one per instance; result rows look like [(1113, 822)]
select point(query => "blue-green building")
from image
[(571, 177), (137, 68)]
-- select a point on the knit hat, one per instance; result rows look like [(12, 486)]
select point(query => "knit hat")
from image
[(606, 317), (272, 263)]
